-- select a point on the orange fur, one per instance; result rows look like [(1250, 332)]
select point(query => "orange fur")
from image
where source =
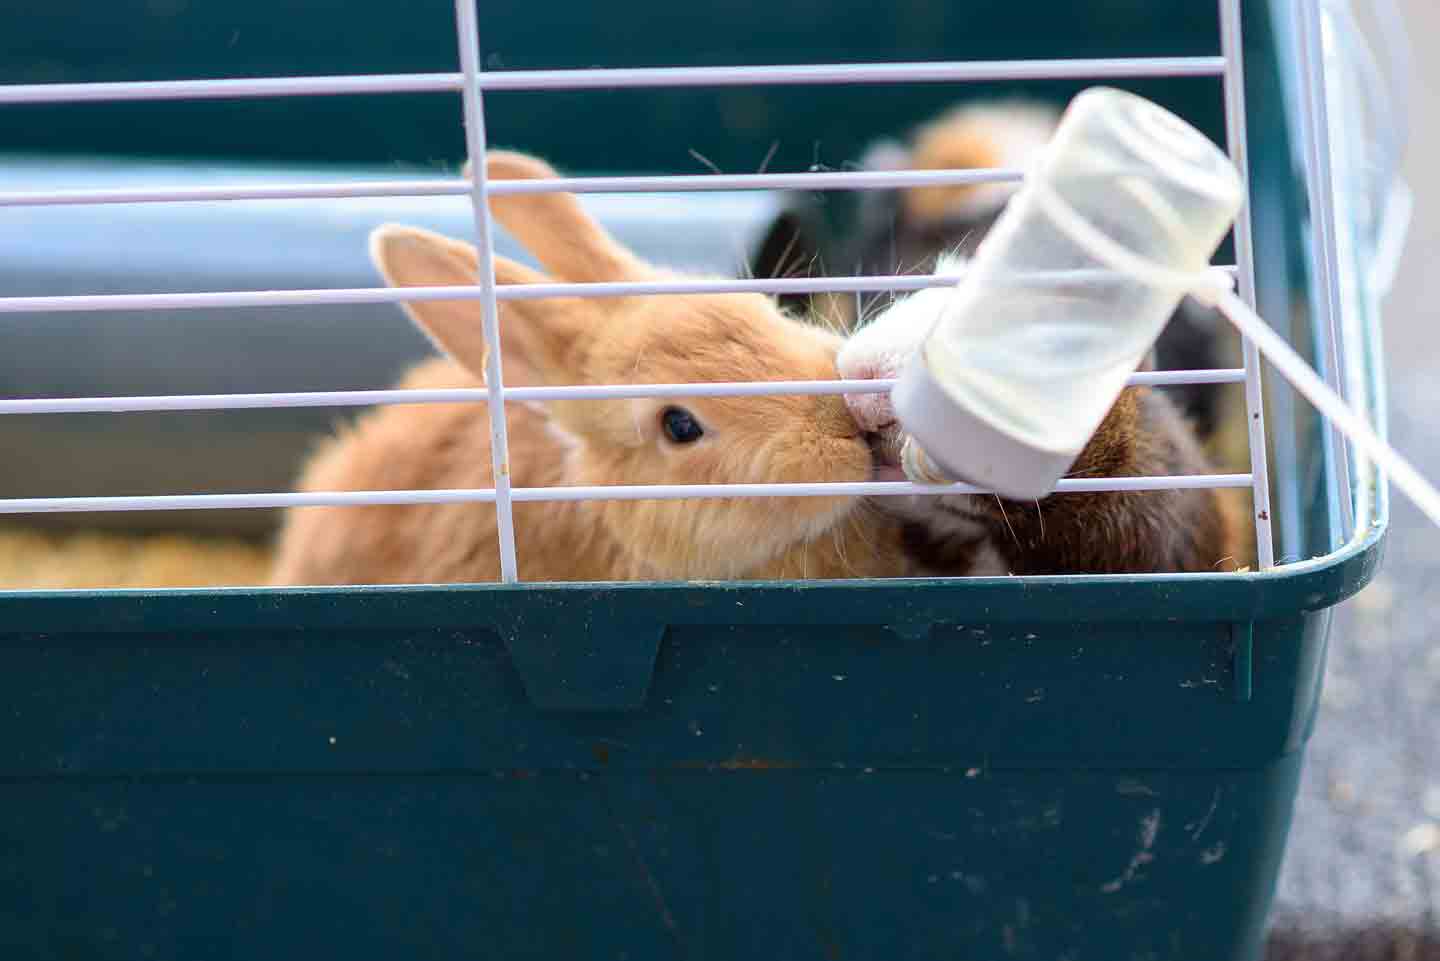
[(948, 145), (731, 337)]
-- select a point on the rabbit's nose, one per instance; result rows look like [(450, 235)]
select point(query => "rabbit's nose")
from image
[(871, 412)]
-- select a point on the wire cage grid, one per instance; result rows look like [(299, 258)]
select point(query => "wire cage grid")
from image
[(473, 83)]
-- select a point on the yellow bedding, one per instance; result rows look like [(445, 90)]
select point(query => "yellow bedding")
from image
[(36, 560)]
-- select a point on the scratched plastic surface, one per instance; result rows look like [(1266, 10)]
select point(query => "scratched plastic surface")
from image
[(1006, 790)]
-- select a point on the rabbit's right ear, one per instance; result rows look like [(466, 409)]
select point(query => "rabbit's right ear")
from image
[(568, 242), (540, 340)]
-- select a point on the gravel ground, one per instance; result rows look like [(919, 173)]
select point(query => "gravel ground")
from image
[(1365, 848)]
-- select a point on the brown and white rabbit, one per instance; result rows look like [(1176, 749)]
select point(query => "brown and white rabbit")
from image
[(1077, 533), (557, 341)]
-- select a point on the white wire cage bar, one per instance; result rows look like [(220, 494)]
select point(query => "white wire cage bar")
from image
[(366, 398), (450, 187), (74, 303), (467, 31), (1233, 81), (612, 492), (472, 85), (614, 78)]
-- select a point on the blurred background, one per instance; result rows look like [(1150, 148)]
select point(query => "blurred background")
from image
[(1366, 841)]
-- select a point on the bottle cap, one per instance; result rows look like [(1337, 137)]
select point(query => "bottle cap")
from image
[(1000, 462)]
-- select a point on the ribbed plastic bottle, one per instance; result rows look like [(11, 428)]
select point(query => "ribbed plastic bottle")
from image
[(1040, 335)]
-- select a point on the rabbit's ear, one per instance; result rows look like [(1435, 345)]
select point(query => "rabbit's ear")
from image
[(567, 241), (539, 339)]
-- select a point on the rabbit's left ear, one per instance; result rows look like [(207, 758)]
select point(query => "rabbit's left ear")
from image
[(542, 340)]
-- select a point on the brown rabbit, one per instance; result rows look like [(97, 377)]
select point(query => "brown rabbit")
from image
[(557, 341), (1091, 533)]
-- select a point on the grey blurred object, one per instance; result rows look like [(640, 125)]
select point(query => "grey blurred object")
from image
[(237, 245), (1361, 880)]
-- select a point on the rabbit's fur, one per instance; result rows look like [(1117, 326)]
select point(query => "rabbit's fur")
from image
[(558, 341)]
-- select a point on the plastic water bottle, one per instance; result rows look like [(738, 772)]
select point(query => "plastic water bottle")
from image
[(1041, 334)]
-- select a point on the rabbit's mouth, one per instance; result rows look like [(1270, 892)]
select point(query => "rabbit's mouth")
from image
[(885, 447), (943, 516), (885, 472)]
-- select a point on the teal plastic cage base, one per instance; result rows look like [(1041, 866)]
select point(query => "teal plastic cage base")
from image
[(658, 771), (1037, 768)]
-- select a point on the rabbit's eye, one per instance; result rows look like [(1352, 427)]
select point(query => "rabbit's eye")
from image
[(680, 425)]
